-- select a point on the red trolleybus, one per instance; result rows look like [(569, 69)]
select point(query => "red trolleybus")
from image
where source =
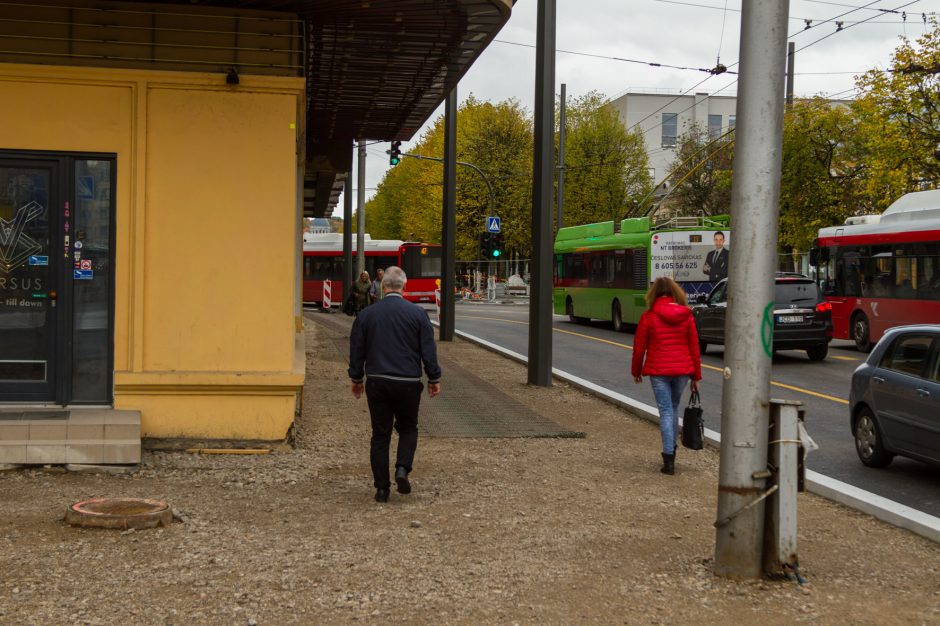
[(323, 258), (883, 270)]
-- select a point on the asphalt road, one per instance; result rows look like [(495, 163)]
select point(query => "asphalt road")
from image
[(598, 354)]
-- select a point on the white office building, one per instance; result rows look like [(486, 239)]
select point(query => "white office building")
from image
[(664, 117)]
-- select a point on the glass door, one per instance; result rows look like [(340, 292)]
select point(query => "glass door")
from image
[(31, 258)]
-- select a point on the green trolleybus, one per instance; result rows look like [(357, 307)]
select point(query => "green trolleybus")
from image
[(602, 271)]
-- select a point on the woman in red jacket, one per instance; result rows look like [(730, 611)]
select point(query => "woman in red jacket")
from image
[(665, 348)]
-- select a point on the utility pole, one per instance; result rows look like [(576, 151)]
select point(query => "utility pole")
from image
[(449, 218), (562, 134), (540, 302), (347, 236), (791, 58), (745, 402), (361, 211)]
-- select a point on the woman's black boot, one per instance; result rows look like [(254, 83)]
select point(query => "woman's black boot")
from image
[(669, 464)]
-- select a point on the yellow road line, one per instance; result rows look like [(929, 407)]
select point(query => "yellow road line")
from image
[(704, 365), (844, 358)]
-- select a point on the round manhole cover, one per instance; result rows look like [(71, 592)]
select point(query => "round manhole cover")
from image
[(120, 513)]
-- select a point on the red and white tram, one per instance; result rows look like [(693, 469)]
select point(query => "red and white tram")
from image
[(323, 258)]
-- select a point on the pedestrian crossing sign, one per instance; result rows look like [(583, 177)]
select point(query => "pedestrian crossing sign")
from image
[(492, 224)]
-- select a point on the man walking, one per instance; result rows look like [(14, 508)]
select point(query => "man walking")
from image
[(389, 343), (375, 291), (716, 262)]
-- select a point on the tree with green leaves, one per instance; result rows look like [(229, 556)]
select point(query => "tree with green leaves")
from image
[(496, 138), (607, 172), (700, 177), (607, 175), (899, 122), (822, 170)]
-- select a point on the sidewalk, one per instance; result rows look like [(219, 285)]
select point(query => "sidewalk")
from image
[(499, 530)]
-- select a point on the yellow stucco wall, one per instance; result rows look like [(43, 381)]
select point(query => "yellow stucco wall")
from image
[(206, 343)]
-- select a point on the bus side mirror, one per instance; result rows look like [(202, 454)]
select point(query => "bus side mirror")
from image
[(814, 257)]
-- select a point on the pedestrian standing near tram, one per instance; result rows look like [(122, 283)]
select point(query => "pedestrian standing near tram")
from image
[(375, 293), (389, 343), (360, 291), (665, 348)]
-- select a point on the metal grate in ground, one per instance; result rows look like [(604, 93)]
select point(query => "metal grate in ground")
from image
[(467, 406)]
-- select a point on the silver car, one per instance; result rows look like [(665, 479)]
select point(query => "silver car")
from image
[(895, 397)]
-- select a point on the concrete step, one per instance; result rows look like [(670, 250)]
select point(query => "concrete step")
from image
[(73, 435)]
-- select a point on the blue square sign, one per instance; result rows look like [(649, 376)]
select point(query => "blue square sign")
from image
[(492, 224)]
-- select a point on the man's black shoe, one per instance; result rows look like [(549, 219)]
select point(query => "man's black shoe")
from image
[(381, 495), (401, 477)]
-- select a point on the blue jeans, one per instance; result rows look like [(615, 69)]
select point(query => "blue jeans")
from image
[(668, 391)]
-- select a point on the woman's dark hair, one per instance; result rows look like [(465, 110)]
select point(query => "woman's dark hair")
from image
[(665, 286)]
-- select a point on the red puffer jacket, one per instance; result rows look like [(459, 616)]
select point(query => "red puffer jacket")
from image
[(667, 338)]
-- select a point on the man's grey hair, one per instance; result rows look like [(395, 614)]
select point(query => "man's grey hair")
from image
[(394, 279)]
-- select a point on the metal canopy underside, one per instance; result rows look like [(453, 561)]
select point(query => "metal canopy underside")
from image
[(375, 69)]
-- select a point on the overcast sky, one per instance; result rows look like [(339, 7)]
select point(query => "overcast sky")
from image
[(694, 34)]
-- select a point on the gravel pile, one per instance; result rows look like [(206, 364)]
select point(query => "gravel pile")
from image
[(497, 531)]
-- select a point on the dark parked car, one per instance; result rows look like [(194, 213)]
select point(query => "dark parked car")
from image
[(802, 317), (895, 397)]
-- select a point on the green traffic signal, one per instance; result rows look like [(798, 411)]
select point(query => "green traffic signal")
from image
[(496, 253)]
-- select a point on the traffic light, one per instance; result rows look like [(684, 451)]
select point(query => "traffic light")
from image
[(496, 244), (394, 155)]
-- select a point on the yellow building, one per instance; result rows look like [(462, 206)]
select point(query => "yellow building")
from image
[(156, 161)]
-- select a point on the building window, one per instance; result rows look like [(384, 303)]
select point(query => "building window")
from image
[(714, 126), (731, 121), (670, 129)]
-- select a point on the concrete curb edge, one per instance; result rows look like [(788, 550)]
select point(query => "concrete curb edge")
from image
[(881, 508)]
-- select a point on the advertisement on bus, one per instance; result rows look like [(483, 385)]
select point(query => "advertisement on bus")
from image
[(690, 256)]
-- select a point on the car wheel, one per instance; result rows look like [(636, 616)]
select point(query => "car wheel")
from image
[(818, 353), (861, 332), (868, 440), (617, 317), (702, 346)]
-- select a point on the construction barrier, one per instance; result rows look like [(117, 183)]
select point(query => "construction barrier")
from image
[(327, 293), (437, 302)]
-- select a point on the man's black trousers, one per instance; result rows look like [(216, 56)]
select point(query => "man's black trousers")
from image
[(392, 403)]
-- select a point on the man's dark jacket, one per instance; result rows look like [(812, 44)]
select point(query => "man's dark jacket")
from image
[(717, 261), (392, 339)]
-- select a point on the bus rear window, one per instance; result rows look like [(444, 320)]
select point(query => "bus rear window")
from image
[(421, 261)]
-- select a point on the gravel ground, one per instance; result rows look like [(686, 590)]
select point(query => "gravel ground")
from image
[(497, 531)]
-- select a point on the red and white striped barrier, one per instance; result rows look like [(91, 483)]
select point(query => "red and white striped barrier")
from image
[(437, 302), (327, 294)]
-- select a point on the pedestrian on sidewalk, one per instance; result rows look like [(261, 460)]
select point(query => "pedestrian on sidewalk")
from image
[(389, 343), (360, 291), (665, 348), (375, 292)]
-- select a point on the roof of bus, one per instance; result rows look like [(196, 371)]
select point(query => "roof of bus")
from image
[(634, 232), (912, 212), (333, 242)]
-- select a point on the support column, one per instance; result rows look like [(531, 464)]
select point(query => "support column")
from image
[(361, 210), (749, 324), (543, 170), (449, 218)]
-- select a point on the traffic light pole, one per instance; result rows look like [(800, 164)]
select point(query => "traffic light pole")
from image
[(465, 164)]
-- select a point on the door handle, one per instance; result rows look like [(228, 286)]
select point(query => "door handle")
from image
[(923, 393), (878, 379)]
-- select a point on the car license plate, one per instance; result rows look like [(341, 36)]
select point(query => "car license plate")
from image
[(791, 319)]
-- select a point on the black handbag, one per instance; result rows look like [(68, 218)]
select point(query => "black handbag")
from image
[(349, 307), (693, 426)]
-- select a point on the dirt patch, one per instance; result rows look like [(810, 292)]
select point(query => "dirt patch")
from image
[(555, 531)]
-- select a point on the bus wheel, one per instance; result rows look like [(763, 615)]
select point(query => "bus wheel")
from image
[(569, 309), (617, 317), (861, 332)]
